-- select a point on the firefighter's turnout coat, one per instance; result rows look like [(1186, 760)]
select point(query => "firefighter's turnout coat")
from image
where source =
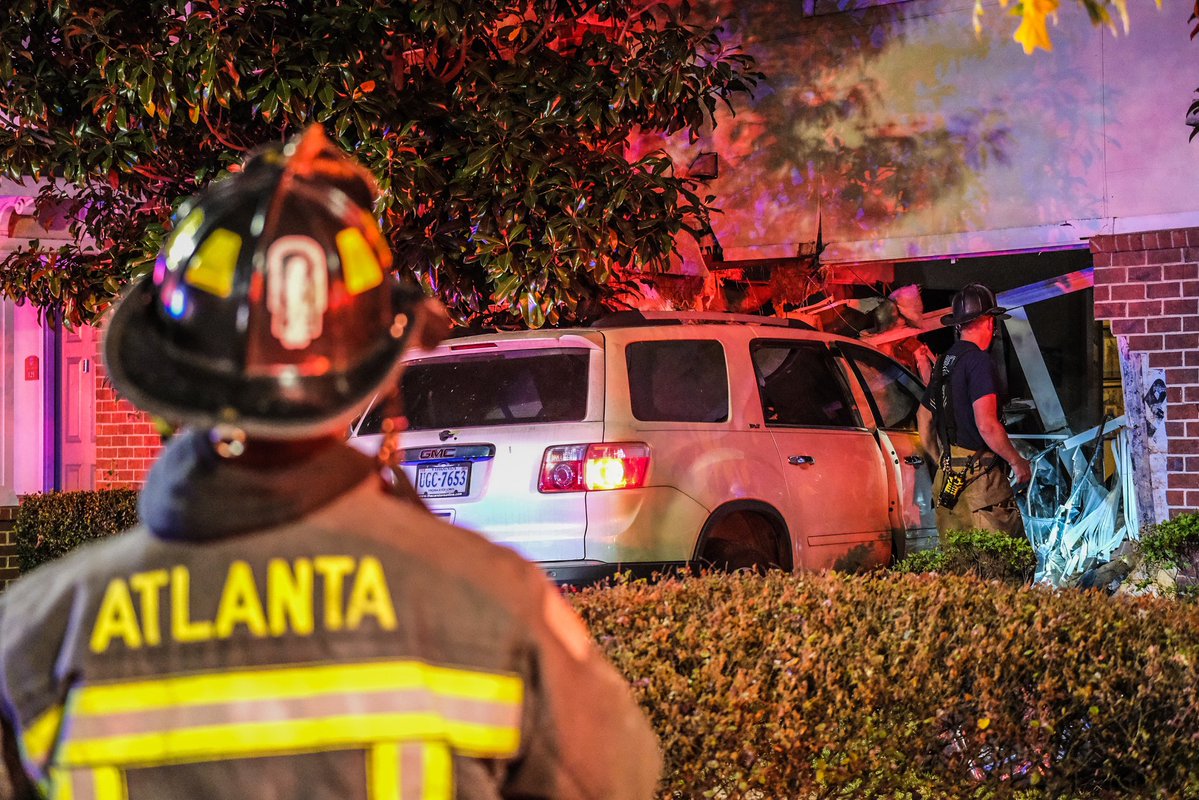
[(298, 632)]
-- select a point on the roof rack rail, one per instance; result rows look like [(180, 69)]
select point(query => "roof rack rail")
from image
[(635, 319)]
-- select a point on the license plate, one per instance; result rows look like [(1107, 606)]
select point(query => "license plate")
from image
[(443, 480)]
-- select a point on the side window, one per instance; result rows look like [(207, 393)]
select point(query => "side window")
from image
[(895, 392), (800, 385), (678, 381)]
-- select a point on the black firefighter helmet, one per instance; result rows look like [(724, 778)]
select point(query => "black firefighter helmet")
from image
[(974, 301), (272, 307)]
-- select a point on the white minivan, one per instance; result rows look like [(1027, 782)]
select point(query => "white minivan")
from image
[(659, 440)]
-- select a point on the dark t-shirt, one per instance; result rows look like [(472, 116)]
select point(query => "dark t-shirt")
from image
[(972, 376)]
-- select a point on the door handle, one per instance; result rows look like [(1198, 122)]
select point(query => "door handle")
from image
[(800, 460), (915, 461)]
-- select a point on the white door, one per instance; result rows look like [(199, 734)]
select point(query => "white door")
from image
[(78, 409), (894, 394), (836, 479)]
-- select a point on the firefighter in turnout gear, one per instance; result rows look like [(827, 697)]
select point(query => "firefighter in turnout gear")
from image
[(959, 424), (280, 624)]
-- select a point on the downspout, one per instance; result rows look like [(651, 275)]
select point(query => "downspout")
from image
[(52, 402)]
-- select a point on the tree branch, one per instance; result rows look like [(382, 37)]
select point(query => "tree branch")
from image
[(456, 69), (219, 137)]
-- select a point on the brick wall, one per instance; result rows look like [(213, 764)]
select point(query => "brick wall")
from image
[(8, 547), (126, 440), (1147, 285)]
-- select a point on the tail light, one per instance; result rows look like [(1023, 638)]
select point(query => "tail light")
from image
[(594, 467)]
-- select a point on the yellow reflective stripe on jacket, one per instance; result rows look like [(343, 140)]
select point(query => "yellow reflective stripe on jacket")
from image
[(410, 772), (38, 739), (383, 770), (295, 682), (101, 783), (284, 710), (240, 740), (438, 773)]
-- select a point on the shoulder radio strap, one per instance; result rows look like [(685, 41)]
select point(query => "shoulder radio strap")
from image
[(946, 424)]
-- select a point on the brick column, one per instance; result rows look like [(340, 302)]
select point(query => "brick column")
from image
[(126, 440), (8, 546), (1147, 286)]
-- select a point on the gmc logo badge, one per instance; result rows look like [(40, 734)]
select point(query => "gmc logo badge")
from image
[(437, 452)]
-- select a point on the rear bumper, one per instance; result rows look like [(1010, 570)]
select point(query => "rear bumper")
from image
[(585, 573)]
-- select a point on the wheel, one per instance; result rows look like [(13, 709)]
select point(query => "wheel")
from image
[(728, 556), (741, 542)]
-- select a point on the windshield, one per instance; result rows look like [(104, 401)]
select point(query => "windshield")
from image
[(508, 387)]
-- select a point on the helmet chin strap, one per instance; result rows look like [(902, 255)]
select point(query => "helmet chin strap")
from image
[(393, 425), (431, 324)]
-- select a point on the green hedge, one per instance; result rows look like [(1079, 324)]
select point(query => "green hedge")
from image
[(907, 686), (885, 685), (1173, 544), (982, 553), (49, 525)]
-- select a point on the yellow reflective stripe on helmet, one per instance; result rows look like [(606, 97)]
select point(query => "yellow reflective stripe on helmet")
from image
[(183, 239), (283, 710), (212, 267), (359, 264)]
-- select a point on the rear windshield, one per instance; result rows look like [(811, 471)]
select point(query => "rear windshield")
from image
[(510, 387)]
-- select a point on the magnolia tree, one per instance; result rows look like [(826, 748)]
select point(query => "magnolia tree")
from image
[(496, 129)]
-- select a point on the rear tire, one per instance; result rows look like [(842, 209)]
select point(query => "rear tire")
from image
[(741, 542)]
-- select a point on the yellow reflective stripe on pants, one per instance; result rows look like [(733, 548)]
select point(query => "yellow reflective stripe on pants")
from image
[(422, 771), (101, 783), (290, 709)]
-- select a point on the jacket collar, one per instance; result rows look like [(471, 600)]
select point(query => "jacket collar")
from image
[(192, 493)]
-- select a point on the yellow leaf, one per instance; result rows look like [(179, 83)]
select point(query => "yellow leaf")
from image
[(984, 723), (1122, 7), (1033, 32)]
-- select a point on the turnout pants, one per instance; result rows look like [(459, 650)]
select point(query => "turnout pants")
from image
[(986, 502)]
